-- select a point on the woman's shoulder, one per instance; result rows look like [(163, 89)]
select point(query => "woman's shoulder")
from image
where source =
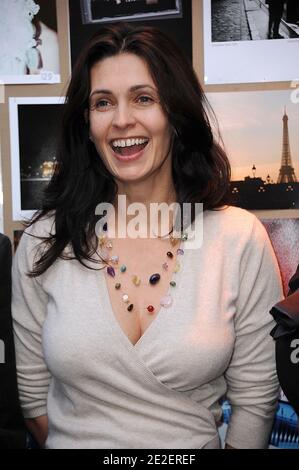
[(234, 222), (42, 227), (38, 231)]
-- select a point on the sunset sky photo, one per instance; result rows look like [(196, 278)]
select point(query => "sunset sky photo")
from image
[(251, 127)]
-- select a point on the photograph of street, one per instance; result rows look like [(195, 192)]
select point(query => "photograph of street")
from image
[(246, 20), (32, 160), (250, 41)]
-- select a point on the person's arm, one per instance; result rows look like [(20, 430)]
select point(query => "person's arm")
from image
[(251, 376), (29, 307), (38, 427), (12, 427)]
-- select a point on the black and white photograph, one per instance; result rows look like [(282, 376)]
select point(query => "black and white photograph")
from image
[(250, 41), (101, 11), (29, 50), (260, 135), (251, 20), (174, 17), (34, 130)]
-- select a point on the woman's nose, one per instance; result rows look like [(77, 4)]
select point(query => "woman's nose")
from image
[(123, 116)]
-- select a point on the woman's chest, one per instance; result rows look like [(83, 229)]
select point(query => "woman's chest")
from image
[(143, 281)]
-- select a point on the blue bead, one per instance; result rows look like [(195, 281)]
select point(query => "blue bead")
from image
[(154, 278)]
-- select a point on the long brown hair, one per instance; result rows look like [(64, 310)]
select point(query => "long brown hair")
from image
[(200, 168)]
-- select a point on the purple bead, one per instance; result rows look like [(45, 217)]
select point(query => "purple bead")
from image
[(154, 278), (110, 271), (166, 301), (180, 251)]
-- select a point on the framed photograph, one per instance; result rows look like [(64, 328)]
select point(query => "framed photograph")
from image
[(260, 135), (174, 17), (29, 50), (103, 11), (284, 235), (250, 41), (34, 128)]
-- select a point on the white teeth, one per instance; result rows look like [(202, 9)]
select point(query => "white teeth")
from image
[(128, 142)]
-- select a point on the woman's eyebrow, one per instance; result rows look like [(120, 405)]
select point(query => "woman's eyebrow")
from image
[(132, 89)]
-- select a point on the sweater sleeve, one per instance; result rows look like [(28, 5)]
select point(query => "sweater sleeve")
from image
[(29, 303), (251, 376)]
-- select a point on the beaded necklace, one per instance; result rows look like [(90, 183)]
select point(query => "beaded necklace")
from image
[(116, 270)]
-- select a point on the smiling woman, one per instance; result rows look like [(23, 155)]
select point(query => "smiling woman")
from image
[(126, 124), (126, 342)]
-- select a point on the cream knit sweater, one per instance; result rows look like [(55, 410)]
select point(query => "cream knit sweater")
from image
[(76, 365)]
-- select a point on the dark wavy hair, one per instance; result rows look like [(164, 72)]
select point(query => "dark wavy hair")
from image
[(200, 167)]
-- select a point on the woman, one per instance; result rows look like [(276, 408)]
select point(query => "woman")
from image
[(105, 358)]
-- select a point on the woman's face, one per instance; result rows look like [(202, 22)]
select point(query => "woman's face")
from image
[(127, 124)]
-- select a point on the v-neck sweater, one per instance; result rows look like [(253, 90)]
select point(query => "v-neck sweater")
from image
[(75, 363)]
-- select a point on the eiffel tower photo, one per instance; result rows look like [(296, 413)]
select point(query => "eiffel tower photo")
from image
[(256, 193), (286, 172)]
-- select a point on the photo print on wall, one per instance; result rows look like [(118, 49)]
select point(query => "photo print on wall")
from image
[(247, 41), (174, 17), (260, 134), (34, 131), (103, 11), (29, 50)]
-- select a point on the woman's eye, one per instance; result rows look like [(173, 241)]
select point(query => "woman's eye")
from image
[(102, 104), (145, 99)]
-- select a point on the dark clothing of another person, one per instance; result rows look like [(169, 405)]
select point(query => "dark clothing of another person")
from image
[(286, 334), (275, 15), (12, 429)]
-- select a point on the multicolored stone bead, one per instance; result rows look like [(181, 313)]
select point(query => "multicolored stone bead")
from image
[(154, 278), (130, 307), (114, 259), (165, 266), (166, 301), (136, 280), (109, 245), (150, 309), (173, 240), (180, 251), (111, 271), (123, 268), (169, 254), (185, 236), (102, 240), (172, 283), (117, 285), (126, 298)]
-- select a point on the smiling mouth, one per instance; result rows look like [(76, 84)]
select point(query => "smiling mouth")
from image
[(130, 150)]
